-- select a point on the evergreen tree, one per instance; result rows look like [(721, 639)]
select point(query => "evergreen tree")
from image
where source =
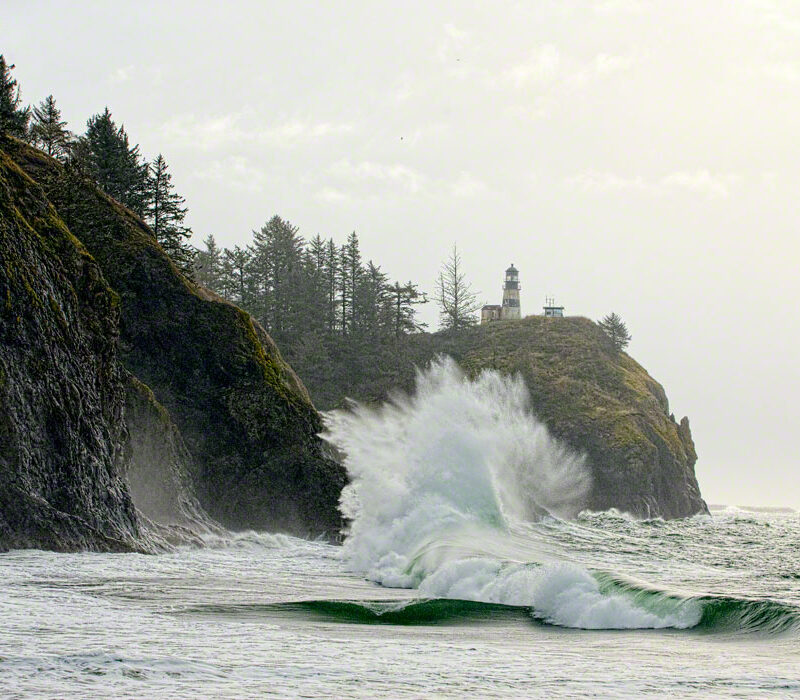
[(616, 330), (208, 265), (402, 300), (13, 118), (331, 270), (260, 271), (165, 213), (78, 156), (48, 131), (114, 164), (314, 291), (371, 305), (349, 278), (457, 302), (316, 253), (278, 270), (235, 272)]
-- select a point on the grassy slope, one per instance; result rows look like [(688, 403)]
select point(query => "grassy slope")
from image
[(596, 400)]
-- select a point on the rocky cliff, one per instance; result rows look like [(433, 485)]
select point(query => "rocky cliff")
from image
[(244, 417), (62, 434), (597, 400)]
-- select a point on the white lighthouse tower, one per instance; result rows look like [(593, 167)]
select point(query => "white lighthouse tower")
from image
[(511, 308)]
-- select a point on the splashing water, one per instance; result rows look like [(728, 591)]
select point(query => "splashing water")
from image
[(443, 484)]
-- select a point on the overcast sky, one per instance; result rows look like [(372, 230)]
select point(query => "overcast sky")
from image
[(626, 155)]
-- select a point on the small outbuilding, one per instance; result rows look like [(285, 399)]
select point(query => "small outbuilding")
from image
[(551, 310), (491, 312)]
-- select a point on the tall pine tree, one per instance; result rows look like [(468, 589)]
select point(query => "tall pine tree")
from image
[(350, 275), (279, 277), (236, 278), (331, 272), (48, 131), (114, 164), (457, 302), (402, 299), (208, 265), (165, 212), (371, 306), (614, 327), (13, 118)]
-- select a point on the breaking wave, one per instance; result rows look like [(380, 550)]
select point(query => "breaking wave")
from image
[(723, 615), (444, 485)]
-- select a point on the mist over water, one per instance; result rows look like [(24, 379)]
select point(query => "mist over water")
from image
[(445, 485)]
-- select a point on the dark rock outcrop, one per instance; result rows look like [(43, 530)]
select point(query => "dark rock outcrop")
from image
[(62, 432), (159, 471), (243, 414), (595, 399)]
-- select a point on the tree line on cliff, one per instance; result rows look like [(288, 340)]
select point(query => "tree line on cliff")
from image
[(104, 153), (340, 321)]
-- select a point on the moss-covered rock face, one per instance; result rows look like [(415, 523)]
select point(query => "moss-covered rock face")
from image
[(596, 400), (245, 417), (61, 393)]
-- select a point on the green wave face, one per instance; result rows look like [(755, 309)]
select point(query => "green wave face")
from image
[(435, 611), (718, 616), (748, 616)]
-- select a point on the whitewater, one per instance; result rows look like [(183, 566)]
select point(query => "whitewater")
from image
[(454, 472), (468, 568)]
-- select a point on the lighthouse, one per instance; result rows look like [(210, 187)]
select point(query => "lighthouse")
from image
[(511, 294), (510, 308)]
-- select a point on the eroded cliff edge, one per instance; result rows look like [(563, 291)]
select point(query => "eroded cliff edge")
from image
[(62, 434), (597, 400)]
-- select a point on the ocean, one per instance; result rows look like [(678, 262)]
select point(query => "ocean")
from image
[(466, 572), (698, 607)]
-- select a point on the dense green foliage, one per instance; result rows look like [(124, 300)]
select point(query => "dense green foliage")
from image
[(165, 212), (105, 154), (339, 321), (13, 117), (114, 164)]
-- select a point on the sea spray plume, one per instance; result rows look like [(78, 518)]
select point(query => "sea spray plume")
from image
[(441, 482), (457, 456)]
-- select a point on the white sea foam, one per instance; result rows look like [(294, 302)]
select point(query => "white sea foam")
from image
[(438, 480), (247, 539)]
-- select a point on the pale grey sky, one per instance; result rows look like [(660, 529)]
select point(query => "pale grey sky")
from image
[(627, 155)]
